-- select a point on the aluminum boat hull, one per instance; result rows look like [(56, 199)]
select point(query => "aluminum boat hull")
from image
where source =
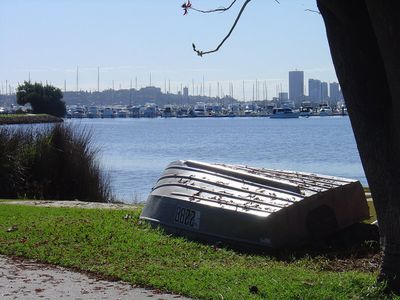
[(252, 207)]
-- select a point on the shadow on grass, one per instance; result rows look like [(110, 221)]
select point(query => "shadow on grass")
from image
[(355, 248)]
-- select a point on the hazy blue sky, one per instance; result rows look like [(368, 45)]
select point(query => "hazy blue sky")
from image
[(131, 38)]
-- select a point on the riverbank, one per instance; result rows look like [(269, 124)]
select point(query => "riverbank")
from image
[(116, 244), (28, 119)]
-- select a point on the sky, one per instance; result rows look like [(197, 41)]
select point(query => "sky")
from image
[(130, 39)]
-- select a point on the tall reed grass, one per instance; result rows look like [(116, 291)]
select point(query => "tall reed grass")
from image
[(57, 162)]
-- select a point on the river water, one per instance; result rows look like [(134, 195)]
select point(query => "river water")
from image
[(136, 151)]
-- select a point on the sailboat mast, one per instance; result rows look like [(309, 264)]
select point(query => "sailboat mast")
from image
[(98, 79), (77, 78)]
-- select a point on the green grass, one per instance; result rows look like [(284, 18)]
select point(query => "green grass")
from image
[(21, 115), (6, 119), (104, 242), (7, 200)]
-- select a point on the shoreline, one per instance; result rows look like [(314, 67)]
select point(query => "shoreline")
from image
[(28, 119)]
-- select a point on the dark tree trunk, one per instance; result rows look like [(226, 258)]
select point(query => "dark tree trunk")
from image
[(364, 38)]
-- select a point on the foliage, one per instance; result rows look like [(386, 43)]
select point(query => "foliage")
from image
[(28, 119), (43, 98), (117, 244), (56, 162), (11, 161)]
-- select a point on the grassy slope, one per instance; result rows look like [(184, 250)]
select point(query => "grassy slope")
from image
[(19, 115), (103, 242), (27, 119)]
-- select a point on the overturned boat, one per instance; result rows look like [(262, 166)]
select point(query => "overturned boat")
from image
[(252, 207)]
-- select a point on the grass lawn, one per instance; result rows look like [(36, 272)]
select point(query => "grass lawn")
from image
[(22, 116), (107, 243), (27, 118)]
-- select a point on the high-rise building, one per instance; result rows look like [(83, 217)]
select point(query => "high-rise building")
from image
[(186, 92), (296, 86), (283, 96), (334, 92), (314, 90), (324, 91)]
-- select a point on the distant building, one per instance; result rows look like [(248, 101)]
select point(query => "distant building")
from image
[(334, 92), (283, 96), (324, 91), (185, 92), (296, 86), (314, 90)]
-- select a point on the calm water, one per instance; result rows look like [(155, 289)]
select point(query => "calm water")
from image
[(136, 151)]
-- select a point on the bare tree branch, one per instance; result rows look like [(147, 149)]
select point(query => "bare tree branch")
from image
[(201, 53), (222, 9), (312, 10)]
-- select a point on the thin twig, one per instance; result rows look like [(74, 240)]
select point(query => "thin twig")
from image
[(312, 10), (221, 9), (201, 53)]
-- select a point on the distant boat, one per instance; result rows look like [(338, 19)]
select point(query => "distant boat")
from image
[(252, 207), (78, 113), (306, 109), (107, 113), (168, 111), (325, 110), (93, 112), (3, 110), (150, 110), (284, 113), (199, 110), (123, 113)]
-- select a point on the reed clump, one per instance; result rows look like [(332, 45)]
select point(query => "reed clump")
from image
[(57, 162)]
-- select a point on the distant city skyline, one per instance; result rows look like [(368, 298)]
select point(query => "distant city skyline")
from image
[(296, 90), (128, 40)]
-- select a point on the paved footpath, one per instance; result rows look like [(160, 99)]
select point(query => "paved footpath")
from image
[(26, 279)]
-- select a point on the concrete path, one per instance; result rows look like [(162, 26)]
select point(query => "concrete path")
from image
[(25, 279)]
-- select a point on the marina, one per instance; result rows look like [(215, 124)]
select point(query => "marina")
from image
[(202, 110)]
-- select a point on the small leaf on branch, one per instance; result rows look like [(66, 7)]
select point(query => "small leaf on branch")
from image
[(186, 6)]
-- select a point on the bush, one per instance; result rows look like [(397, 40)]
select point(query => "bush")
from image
[(44, 99), (11, 162), (57, 162)]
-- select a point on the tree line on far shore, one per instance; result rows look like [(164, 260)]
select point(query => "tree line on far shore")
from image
[(44, 99)]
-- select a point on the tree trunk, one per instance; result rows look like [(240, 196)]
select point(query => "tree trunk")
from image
[(364, 38)]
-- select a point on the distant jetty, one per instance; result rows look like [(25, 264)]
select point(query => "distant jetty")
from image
[(28, 119)]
